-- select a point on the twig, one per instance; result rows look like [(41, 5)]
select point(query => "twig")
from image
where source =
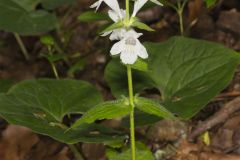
[(22, 46), (218, 117)]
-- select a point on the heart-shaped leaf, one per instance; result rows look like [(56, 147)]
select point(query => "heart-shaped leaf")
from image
[(41, 105), (15, 18), (106, 110), (116, 77), (189, 73)]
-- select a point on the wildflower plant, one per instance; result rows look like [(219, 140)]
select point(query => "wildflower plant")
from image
[(188, 73), (128, 46)]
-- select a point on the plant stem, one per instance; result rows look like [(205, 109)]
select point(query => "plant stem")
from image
[(131, 100), (180, 7), (181, 22), (75, 151), (52, 64), (127, 10), (54, 70), (22, 46)]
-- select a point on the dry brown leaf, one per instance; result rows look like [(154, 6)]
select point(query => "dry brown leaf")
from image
[(16, 142)]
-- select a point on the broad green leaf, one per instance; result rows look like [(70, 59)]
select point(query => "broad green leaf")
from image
[(141, 25), (105, 110), (15, 18), (142, 153), (113, 27), (52, 4), (93, 16), (116, 77), (41, 105), (28, 5), (210, 3), (5, 84), (152, 107), (189, 73)]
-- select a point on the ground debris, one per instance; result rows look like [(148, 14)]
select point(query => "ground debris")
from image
[(219, 117), (16, 142)]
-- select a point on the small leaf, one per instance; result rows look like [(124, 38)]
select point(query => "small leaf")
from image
[(210, 3), (47, 40), (93, 16), (78, 66), (113, 27), (152, 107), (141, 25), (142, 153), (206, 138), (140, 65), (106, 110), (54, 57)]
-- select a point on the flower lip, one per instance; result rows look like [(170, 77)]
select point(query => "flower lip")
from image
[(130, 41)]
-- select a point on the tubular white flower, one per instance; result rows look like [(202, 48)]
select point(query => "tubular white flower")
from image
[(116, 34), (140, 3), (129, 48)]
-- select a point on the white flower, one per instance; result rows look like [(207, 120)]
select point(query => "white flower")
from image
[(129, 48), (140, 3), (113, 4), (96, 4), (116, 34)]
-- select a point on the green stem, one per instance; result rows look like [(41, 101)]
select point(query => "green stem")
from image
[(22, 46), (52, 64), (127, 10), (75, 151), (54, 70), (180, 8), (131, 100), (181, 22)]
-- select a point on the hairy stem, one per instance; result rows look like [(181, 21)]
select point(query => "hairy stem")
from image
[(22, 46), (75, 151), (131, 100)]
